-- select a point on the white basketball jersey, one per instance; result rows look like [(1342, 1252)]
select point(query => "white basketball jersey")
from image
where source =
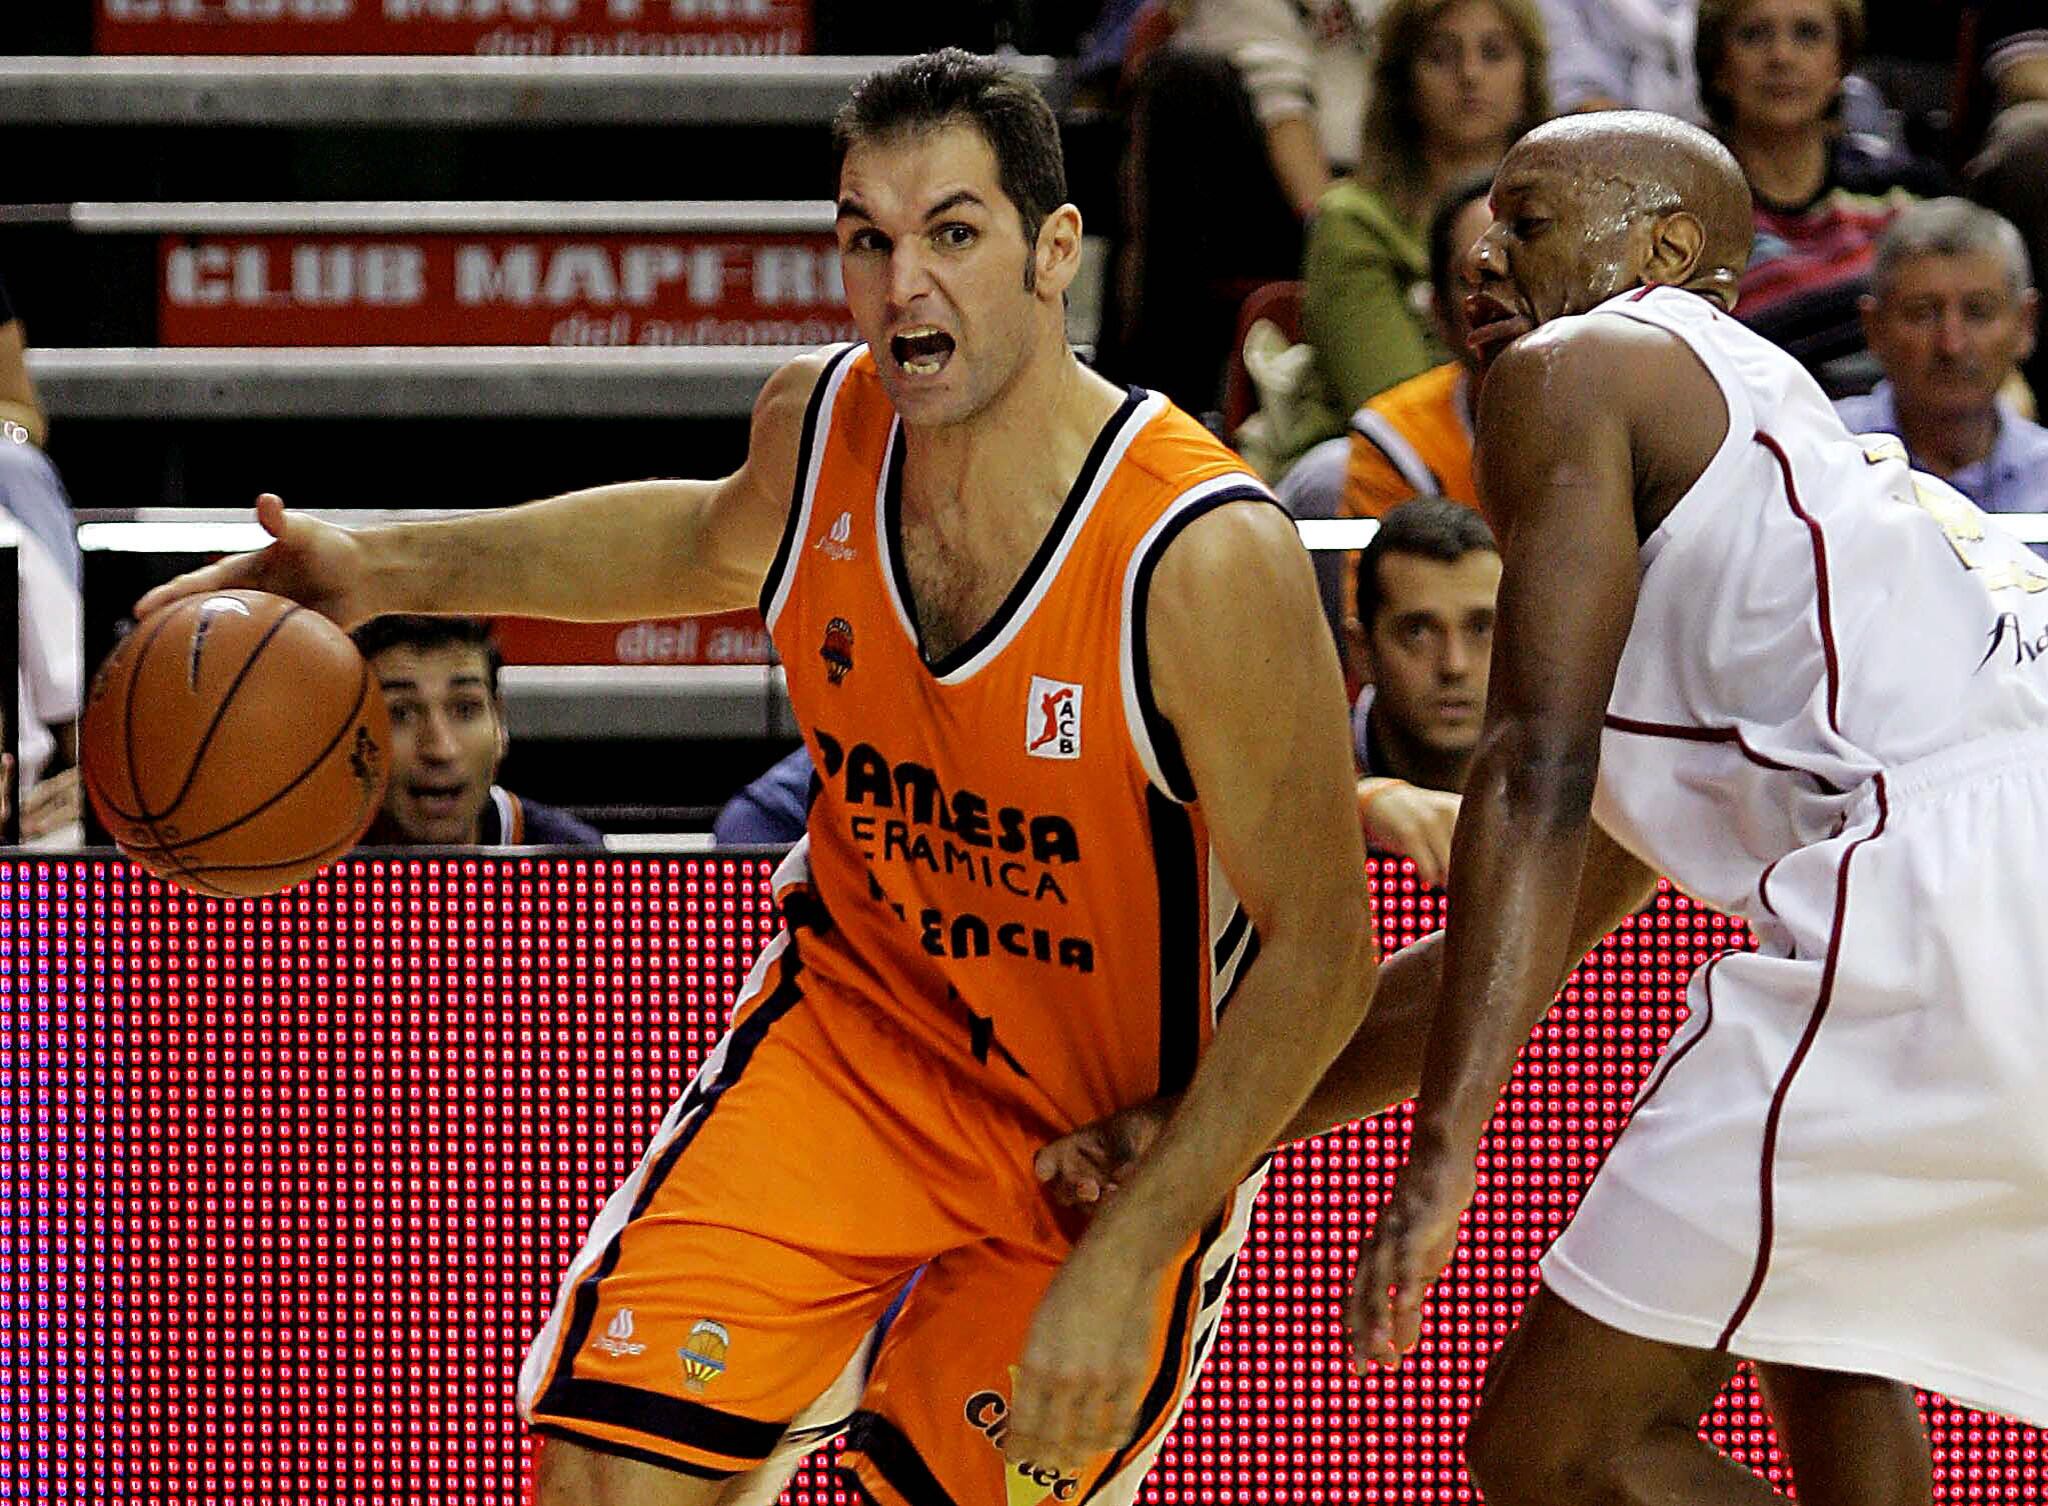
[(1812, 613)]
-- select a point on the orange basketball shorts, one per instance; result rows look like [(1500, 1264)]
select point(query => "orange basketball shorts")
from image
[(820, 1159)]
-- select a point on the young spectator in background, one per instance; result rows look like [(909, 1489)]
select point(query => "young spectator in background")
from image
[(448, 738), (1422, 643), (1623, 55), (1415, 440), (1456, 82), (1951, 312), (1771, 76), (2010, 174), (1236, 128)]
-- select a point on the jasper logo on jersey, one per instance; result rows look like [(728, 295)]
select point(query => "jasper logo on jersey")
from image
[(618, 1340), (837, 649), (837, 544), (1052, 719)]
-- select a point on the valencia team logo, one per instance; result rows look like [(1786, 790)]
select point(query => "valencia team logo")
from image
[(837, 650)]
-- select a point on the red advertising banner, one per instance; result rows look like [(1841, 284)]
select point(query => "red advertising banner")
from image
[(721, 638), (489, 28), (658, 289)]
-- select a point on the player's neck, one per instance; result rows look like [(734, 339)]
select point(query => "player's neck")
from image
[(1012, 464), (1945, 443)]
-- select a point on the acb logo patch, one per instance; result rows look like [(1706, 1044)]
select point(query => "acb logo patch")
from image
[(1052, 719)]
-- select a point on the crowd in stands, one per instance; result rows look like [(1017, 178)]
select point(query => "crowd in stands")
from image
[(1345, 147)]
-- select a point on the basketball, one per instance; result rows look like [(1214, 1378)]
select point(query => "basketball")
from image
[(234, 743)]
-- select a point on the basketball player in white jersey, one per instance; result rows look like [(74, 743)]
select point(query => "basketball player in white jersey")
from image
[(1812, 688)]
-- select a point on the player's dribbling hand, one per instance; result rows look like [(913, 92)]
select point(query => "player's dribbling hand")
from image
[(316, 564), (1417, 823), (1077, 1387), (1410, 1244), (1084, 1170)]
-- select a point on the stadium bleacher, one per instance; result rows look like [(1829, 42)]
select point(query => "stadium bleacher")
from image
[(218, 305)]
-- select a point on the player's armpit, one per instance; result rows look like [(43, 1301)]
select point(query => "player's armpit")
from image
[(739, 523)]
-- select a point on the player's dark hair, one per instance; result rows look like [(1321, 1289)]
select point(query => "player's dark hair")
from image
[(951, 87), (1432, 528), (419, 633), (1443, 256)]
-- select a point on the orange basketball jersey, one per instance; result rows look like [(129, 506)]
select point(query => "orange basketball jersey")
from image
[(1004, 853)]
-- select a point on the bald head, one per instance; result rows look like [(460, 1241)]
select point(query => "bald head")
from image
[(1639, 162)]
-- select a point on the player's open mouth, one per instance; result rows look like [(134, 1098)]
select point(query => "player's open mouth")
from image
[(1492, 323), (437, 800), (922, 350)]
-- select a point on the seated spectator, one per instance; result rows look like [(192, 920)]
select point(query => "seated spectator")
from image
[(1236, 127), (1456, 82), (1415, 440), (440, 681), (1771, 76), (1623, 55), (1951, 313), (1422, 642), (49, 696), (1304, 70), (772, 810), (2009, 173), (49, 680), (30, 491), (1638, 55)]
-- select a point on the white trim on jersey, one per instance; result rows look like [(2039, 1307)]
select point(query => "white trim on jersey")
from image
[(1127, 675), (1122, 1490), (1147, 410), (800, 529), (885, 554), (1225, 912), (618, 1208), (1378, 431)]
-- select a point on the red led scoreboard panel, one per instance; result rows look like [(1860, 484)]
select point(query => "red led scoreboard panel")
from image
[(290, 1183)]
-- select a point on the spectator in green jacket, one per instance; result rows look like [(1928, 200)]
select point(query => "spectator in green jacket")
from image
[(1455, 84)]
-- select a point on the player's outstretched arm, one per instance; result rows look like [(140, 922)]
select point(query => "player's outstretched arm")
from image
[(1557, 470), (638, 549), (1245, 671)]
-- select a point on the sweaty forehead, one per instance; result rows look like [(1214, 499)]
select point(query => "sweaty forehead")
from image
[(1536, 170)]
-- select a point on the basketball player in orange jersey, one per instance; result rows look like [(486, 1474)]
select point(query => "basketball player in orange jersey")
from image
[(1085, 831)]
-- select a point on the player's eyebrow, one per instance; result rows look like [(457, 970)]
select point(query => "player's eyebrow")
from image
[(851, 208), (954, 200)]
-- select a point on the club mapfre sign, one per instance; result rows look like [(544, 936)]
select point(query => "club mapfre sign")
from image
[(659, 289), (493, 28)]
